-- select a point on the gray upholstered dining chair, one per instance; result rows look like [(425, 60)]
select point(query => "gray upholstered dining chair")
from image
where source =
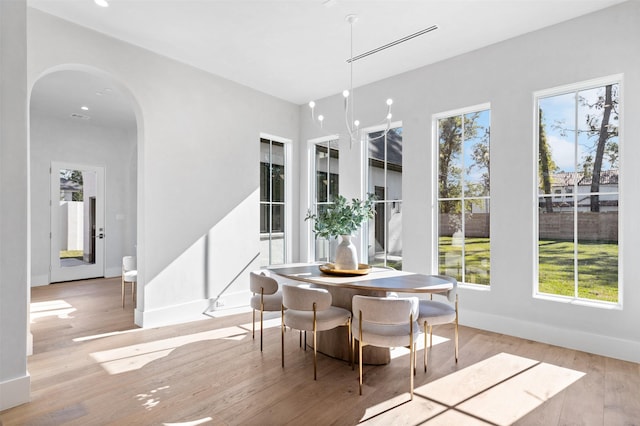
[(266, 297), (386, 322), (435, 313), (309, 309)]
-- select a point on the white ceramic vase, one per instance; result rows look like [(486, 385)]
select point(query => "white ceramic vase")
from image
[(346, 254)]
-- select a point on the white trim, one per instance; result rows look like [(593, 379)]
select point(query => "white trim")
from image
[(194, 310), (15, 391), (288, 192), (579, 86), (311, 188), (58, 273), (364, 155), (459, 111), (174, 314), (558, 91), (366, 130), (554, 334), (39, 280), (435, 267)]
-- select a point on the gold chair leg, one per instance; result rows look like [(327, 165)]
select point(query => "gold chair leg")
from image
[(282, 335), (360, 363), (412, 354), (456, 330), (253, 332), (360, 350), (123, 292), (315, 343), (261, 326), (426, 332), (349, 337), (353, 353)]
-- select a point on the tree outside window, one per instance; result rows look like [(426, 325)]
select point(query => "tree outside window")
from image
[(463, 196), (578, 157)]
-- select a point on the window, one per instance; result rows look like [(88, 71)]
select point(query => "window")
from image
[(578, 145), (463, 195), (385, 181), (325, 189), (273, 198)]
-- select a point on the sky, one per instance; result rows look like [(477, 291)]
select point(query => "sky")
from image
[(560, 124)]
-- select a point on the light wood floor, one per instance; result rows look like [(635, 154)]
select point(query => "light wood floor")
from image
[(91, 366)]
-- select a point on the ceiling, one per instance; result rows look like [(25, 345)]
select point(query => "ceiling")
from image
[(296, 50)]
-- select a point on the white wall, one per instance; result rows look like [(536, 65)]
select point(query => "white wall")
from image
[(80, 142), (198, 156), (506, 75), (14, 206)]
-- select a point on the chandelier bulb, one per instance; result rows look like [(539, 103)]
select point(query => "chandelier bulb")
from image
[(389, 116), (320, 118), (345, 93), (389, 101), (356, 123), (312, 104)]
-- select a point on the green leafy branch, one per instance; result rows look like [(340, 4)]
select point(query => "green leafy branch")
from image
[(342, 217)]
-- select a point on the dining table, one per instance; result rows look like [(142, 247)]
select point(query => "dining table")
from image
[(375, 281)]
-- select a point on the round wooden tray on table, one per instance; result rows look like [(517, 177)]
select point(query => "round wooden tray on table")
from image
[(330, 269)]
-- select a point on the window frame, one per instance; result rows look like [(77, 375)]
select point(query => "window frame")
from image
[(557, 91), (312, 189), (364, 243), (435, 261), (288, 200)]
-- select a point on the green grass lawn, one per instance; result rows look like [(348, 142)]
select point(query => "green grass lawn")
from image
[(597, 269), (66, 254), (598, 266)]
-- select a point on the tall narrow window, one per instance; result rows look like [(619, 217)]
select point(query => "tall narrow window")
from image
[(326, 184), (578, 169), (463, 195), (385, 181), (273, 239)]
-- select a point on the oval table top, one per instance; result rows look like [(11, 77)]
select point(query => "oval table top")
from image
[(379, 279)]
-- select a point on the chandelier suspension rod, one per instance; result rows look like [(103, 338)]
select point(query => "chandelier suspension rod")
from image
[(388, 45), (350, 123)]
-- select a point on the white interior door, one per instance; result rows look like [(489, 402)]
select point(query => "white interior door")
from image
[(77, 222)]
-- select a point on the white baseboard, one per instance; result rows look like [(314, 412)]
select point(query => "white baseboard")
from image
[(29, 343), (627, 350), (231, 301), (191, 311), (39, 280), (175, 314), (113, 272), (15, 392)]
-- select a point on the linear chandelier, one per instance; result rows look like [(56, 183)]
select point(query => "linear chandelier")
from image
[(353, 124)]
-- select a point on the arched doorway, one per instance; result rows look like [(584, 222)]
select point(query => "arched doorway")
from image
[(82, 120)]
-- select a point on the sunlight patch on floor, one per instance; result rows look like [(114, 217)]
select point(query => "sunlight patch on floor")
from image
[(500, 389), (103, 335), (400, 352), (52, 308), (128, 358), (400, 410), (191, 423)]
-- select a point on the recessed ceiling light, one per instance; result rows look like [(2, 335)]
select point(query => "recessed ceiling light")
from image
[(84, 108), (108, 90), (99, 93), (101, 3)]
